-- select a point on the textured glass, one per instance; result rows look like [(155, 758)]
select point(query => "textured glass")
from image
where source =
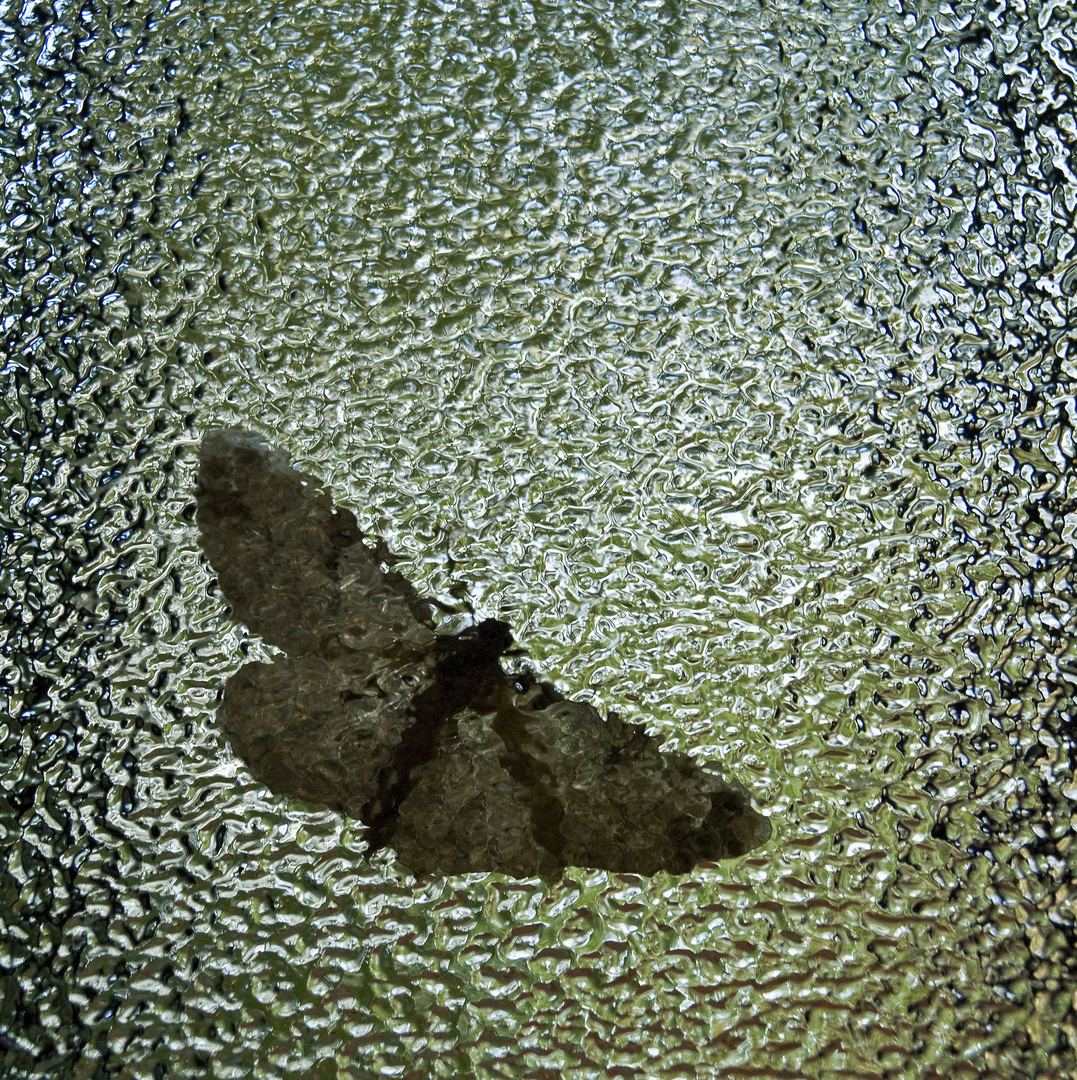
[(724, 350)]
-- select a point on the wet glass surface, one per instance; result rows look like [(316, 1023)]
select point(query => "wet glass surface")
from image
[(724, 351)]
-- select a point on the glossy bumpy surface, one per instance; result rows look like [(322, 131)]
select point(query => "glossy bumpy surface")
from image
[(722, 350)]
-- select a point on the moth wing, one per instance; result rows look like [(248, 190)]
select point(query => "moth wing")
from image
[(281, 551), (323, 722), (321, 730), (465, 813), (528, 792), (629, 807)]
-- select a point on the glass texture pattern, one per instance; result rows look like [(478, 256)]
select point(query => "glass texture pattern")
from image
[(724, 349)]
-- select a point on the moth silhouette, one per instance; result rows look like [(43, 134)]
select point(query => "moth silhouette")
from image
[(450, 761)]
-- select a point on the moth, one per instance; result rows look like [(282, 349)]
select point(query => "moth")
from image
[(455, 764)]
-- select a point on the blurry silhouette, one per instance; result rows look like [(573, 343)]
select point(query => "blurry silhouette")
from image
[(455, 764)]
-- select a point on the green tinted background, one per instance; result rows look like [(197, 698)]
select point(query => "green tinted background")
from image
[(724, 350)]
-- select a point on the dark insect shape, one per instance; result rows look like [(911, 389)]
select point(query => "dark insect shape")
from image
[(455, 764)]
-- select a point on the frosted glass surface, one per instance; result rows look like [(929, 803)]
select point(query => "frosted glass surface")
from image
[(723, 350)]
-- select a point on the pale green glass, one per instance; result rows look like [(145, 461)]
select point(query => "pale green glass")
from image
[(724, 349)]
